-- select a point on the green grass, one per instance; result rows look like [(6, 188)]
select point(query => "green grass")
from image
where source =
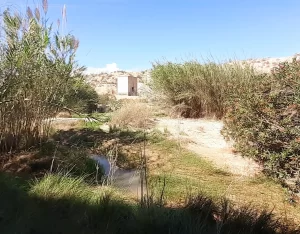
[(188, 173), (69, 159), (187, 170), (58, 204), (192, 185), (93, 125), (61, 204)]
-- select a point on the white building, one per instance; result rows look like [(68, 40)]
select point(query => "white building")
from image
[(127, 85)]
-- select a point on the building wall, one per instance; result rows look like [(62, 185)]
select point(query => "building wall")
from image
[(122, 85), (132, 86)]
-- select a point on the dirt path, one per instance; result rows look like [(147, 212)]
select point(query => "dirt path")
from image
[(204, 138)]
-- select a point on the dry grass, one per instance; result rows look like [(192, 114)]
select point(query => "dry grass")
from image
[(64, 114), (67, 125), (133, 114)]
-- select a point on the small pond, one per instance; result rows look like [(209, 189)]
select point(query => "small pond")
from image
[(128, 180)]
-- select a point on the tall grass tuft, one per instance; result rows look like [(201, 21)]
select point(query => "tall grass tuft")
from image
[(199, 90), (59, 187)]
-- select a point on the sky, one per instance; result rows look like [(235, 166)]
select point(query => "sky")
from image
[(132, 34)]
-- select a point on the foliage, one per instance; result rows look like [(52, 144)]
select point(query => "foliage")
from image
[(71, 160), (199, 90), (37, 68), (261, 111), (264, 121), (81, 97)]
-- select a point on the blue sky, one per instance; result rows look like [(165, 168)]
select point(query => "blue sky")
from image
[(134, 33)]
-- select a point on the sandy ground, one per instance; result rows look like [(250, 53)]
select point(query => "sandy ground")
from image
[(204, 138)]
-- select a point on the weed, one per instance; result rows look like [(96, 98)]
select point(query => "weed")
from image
[(132, 114)]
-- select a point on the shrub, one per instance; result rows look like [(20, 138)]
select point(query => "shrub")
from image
[(132, 114), (261, 111), (264, 122), (81, 97), (72, 160), (199, 90)]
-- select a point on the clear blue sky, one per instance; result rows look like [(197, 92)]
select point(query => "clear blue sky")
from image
[(133, 33)]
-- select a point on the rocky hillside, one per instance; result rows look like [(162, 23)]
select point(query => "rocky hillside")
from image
[(107, 82), (266, 64)]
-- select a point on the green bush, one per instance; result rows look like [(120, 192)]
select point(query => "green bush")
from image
[(265, 122), (81, 97), (74, 161), (199, 90)]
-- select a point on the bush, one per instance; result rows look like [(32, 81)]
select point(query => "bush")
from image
[(132, 114), (265, 122), (74, 161), (199, 90), (81, 97)]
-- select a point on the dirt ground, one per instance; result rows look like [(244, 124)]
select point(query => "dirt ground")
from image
[(204, 138)]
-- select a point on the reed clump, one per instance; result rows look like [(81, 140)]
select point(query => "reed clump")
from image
[(198, 90), (37, 68)]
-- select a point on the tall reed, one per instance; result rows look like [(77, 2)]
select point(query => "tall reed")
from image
[(37, 67), (199, 90)]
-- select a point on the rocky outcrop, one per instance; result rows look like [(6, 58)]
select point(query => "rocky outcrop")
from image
[(265, 65)]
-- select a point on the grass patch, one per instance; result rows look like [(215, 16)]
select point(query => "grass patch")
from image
[(93, 125), (186, 172), (75, 207)]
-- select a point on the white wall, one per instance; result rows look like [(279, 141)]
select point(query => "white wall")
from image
[(122, 85)]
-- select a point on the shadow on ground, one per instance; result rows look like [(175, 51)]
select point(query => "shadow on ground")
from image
[(90, 138), (74, 146), (22, 211)]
